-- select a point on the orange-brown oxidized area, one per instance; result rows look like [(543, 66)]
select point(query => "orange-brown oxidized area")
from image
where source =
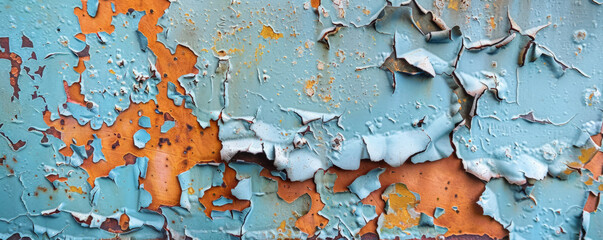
[(311, 119)]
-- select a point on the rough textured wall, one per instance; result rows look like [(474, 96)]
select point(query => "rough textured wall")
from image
[(321, 119)]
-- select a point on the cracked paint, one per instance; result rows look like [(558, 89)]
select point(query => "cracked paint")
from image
[(304, 119)]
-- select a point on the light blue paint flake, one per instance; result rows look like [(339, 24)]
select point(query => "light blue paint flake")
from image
[(167, 125), (141, 137), (97, 146), (438, 212), (222, 201), (346, 214), (364, 185), (144, 122)]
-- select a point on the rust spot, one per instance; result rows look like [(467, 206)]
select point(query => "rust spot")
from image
[(115, 144), (111, 225), (426, 179), (54, 177), (168, 117), (130, 158), (26, 42), (124, 222)]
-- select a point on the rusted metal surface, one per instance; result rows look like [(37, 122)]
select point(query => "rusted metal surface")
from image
[(317, 119)]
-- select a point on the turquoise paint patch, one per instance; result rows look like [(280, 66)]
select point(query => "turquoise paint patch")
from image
[(141, 137), (438, 212), (97, 154), (167, 125), (539, 210), (269, 216), (222, 201), (367, 80), (366, 184), (119, 72), (346, 214), (189, 220), (144, 122), (351, 122), (591, 223)]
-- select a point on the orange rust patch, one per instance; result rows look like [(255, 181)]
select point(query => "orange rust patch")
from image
[(595, 165), (73, 93), (53, 177), (440, 184), (183, 146), (592, 202), (124, 222), (268, 32), (214, 193), (100, 23), (443, 183), (171, 153)]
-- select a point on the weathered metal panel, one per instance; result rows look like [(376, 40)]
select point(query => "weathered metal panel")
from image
[(319, 119)]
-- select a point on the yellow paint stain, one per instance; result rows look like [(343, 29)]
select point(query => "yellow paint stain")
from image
[(600, 187), (453, 4), (399, 200), (589, 182), (492, 22), (111, 71), (258, 51), (76, 189), (226, 52), (586, 154), (282, 226), (268, 32), (590, 98), (191, 191), (366, 11), (575, 165), (220, 38), (325, 98)]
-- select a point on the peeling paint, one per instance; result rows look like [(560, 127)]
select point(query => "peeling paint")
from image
[(305, 119)]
